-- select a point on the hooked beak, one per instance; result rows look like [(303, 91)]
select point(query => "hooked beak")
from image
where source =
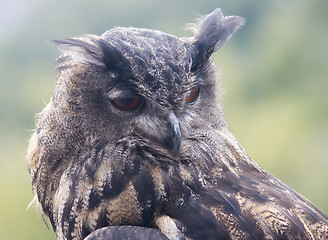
[(172, 142)]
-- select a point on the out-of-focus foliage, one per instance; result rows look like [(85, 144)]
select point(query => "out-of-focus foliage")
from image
[(274, 72)]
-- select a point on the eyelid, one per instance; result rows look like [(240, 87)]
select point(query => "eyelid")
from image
[(120, 93), (114, 93)]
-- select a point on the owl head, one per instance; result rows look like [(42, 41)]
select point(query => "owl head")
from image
[(145, 85)]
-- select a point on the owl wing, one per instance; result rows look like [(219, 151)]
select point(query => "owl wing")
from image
[(218, 214), (243, 201)]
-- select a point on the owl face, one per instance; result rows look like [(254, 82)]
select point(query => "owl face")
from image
[(143, 82)]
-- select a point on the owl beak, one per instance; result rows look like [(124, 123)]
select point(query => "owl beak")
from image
[(172, 142)]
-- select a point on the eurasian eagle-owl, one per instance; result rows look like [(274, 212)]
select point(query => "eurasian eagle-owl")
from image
[(133, 143)]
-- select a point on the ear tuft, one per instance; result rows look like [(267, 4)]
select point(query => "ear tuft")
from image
[(212, 32), (80, 50)]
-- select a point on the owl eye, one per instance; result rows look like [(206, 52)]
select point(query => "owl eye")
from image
[(193, 95), (126, 104)]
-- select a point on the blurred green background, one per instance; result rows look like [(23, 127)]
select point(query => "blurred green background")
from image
[(274, 72)]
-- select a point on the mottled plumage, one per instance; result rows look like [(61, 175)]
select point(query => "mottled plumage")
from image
[(134, 138)]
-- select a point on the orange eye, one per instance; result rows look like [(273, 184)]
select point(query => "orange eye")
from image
[(193, 95), (126, 104)]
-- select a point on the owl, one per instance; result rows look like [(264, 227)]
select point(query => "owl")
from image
[(133, 145)]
